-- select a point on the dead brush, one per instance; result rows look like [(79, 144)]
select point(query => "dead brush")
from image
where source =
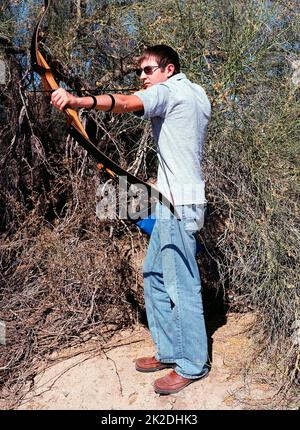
[(61, 286)]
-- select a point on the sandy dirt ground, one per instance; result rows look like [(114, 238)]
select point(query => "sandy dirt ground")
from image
[(108, 380)]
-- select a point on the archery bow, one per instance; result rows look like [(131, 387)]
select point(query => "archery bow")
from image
[(76, 129)]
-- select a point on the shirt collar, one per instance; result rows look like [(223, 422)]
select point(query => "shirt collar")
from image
[(177, 77)]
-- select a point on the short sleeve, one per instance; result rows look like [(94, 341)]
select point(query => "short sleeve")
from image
[(155, 100)]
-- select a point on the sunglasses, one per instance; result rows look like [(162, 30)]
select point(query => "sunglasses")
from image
[(148, 70)]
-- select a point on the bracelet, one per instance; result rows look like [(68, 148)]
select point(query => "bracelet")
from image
[(113, 102), (94, 102)]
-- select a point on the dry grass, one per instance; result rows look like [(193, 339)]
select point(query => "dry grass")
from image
[(61, 286)]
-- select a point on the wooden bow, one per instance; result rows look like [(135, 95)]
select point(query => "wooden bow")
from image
[(77, 131)]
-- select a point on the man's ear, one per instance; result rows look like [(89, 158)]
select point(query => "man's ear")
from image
[(170, 70)]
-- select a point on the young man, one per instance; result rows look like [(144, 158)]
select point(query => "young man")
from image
[(179, 111)]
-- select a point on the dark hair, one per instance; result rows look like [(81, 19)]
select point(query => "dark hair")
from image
[(164, 54)]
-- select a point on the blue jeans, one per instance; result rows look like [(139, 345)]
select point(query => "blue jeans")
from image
[(172, 289)]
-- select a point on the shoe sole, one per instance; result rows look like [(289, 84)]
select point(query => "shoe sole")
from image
[(153, 369), (176, 390)]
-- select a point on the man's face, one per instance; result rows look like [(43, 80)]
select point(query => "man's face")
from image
[(156, 74)]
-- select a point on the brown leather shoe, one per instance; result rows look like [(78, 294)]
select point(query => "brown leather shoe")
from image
[(172, 383), (150, 364)]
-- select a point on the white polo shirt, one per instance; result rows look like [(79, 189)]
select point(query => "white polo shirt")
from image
[(179, 111)]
